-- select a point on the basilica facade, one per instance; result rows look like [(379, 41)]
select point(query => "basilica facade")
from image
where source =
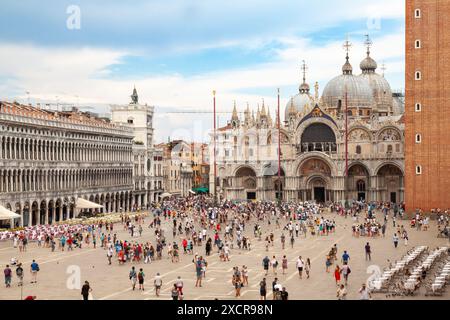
[(347, 144)]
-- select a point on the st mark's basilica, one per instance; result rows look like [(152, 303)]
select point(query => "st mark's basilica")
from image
[(313, 143)]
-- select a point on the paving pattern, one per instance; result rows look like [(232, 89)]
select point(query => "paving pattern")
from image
[(58, 270)]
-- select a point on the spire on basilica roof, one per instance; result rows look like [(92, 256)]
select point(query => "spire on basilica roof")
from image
[(347, 68), (368, 65), (235, 114)]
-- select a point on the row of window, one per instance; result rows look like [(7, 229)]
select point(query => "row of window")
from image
[(418, 76)]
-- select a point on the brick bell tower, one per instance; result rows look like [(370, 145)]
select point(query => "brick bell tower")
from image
[(427, 109)]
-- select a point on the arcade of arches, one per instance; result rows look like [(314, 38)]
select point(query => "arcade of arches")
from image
[(50, 211), (314, 181)]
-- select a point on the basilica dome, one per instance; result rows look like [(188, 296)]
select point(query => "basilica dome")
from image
[(381, 90), (302, 102), (359, 93)]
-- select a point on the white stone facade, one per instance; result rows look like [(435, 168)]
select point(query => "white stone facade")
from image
[(48, 159)]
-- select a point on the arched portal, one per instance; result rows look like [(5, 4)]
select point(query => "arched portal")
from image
[(316, 174), (357, 182), (390, 183), (34, 213), (246, 180)]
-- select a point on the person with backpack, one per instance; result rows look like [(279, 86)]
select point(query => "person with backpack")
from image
[(141, 277), (345, 270), (19, 274), (133, 277), (34, 269)]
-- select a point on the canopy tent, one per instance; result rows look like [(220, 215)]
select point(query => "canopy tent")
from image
[(6, 214), (165, 195), (201, 190), (85, 204)]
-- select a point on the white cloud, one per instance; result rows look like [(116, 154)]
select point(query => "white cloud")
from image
[(47, 72)]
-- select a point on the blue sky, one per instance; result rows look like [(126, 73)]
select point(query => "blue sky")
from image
[(176, 52)]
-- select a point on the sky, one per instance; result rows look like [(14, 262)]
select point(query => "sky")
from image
[(92, 53)]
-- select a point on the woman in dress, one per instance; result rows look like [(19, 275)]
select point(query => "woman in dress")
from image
[(337, 275)]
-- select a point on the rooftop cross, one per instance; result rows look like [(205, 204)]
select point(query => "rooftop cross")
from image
[(304, 69), (347, 46), (368, 44), (383, 68)]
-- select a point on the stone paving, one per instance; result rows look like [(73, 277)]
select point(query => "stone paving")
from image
[(55, 279)]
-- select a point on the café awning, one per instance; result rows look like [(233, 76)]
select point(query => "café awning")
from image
[(6, 214), (165, 195), (85, 204)]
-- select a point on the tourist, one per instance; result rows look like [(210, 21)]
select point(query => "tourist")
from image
[(300, 264), (244, 273), (368, 251), (337, 275), (395, 240), (284, 264), (8, 276), (141, 277), (133, 277), (19, 274), (345, 270), (341, 293), (284, 294), (263, 289), (327, 263), (364, 293), (307, 267), (85, 290), (175, 293), (34, 269), (158, 284), (345, 257), (180, 284), (274, 264), (266, 262)]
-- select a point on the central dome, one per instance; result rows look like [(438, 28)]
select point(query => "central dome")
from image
[(359, 93), (300, 103)]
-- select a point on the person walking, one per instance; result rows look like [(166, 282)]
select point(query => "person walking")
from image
[(337, 275), (8, 276), (158, 284), (300, 265), (85, 290), (345, 257), (345, 270), (307, 267), (368, 252), (341, 293), (266, 262), (34, 269), (395, 240), (263, 289), (284, 264), (274, 264), (364, 293), (133, 277), (175, 293), (19, 274), (141, 277)]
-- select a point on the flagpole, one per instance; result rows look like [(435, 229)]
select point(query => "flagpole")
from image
[(279, 150), (215, 166), (346, 148)]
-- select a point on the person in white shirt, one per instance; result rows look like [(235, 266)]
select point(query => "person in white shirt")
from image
[(300, 264), (364, 293)]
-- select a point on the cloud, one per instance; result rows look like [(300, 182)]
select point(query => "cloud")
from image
[(44, 58)]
